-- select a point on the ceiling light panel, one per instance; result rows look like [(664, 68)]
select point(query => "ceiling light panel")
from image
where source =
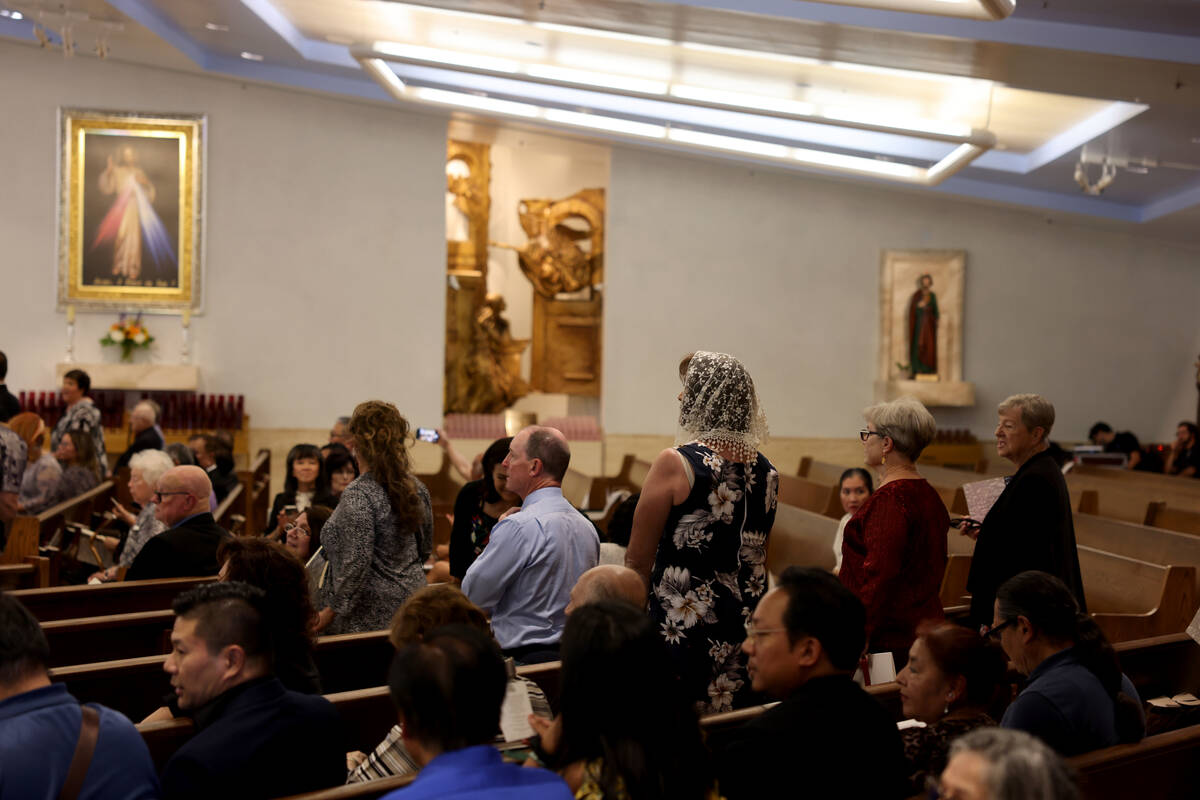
[(969, 9)]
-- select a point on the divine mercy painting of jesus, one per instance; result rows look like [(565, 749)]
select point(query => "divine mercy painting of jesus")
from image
[(130, 210)]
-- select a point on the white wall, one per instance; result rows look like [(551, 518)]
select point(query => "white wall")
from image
[(325, 254), (782, 270)]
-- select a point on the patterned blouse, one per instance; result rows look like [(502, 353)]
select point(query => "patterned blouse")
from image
[(925, 749), (12, 460), (391, 757), (83, 416), (373, 565), (40, 481), (711, 570), (144, 528), (75, 481)]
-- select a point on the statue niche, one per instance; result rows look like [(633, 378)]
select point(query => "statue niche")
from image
[(564, 261), (483, 361)]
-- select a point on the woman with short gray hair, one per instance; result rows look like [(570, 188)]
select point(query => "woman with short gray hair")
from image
[(145, 468), (1030, 525), (894, 547), (1000, 764)]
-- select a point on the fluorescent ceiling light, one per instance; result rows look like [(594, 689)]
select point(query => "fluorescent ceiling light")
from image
[(213, 26), (385, 75), (971, 9), (737, 52), (588, 78), (17, 15), (451, 57), (937, 127), (477, 102), (603, 34), (251, 56), (605, 123), (961, 156), (728, 143), (845, 163), (742, 100), (449, 12)]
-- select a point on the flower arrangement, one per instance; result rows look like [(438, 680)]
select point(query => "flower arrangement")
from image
[(128, 334)]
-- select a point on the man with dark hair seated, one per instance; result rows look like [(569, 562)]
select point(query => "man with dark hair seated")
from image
[(50, 745), (448, 691), (827, 738), (1184, 458), (214, 453), (254, 738)]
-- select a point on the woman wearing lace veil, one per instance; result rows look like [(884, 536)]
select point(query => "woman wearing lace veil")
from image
[(701, 526)]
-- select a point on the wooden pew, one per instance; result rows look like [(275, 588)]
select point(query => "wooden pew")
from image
[(113, 636), (1153, 481), (442, 486), (27, 532), (800, 537), (32, 573), (124, 597), (817, 497), (1127, 501), (367, 715), (1134, 599), (1161, 665), (1160, 515), (256, 491), (367, 790), (225, 511), (577, 489), (1139, 541), (1165, 766), (135, 686)]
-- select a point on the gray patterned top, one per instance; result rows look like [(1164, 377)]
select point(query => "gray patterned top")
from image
[(373, 565), (75, 481), (144, 528), (12, 460), (40, 481), (83, 416)]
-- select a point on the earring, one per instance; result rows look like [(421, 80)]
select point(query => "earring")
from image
[(883, 460)]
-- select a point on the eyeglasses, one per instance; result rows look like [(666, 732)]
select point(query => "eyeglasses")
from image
[(994, 633), (865, 434), (158, 496), (292, 526), (753, 633)]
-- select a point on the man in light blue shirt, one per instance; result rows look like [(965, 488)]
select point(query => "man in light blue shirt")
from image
[(523, 578)]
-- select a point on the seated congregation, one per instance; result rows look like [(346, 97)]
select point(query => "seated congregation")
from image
[(526, 663)]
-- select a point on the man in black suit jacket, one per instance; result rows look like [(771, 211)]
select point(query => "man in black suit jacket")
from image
[(253, 737), (9, 405), (1030, 526), (189, 545), (827, 737), (146, 435), (216, 457)]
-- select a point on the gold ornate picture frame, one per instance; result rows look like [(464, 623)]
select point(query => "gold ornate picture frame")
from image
[(131, 210)]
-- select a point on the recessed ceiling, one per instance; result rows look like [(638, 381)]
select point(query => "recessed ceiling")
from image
[(1057, 81)]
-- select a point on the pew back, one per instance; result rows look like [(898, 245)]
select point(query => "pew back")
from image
[(1134, 599), (1160, 515), (816, 497), (124, 597), (800, 537)]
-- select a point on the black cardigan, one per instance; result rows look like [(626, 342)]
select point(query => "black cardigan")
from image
[(1029, 527)]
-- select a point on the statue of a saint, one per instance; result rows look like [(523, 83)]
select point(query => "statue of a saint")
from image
[(494, 370), (922, 328), (558, 257)]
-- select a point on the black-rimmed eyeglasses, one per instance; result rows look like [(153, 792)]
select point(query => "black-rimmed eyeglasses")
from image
[(994, 633), (158, 496), (865, 434)]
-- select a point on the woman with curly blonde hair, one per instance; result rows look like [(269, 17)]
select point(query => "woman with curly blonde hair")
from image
[(381, 532)]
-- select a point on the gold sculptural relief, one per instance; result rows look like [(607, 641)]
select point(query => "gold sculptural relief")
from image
[(560, 258), (483, 361)]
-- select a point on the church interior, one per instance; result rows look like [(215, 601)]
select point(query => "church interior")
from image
[(501, 213)]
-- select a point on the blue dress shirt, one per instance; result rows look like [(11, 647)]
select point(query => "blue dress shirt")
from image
[(38, 733), (479, 772), (524, 576)]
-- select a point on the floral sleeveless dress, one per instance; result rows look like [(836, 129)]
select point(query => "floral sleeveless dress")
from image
[(711, 571)]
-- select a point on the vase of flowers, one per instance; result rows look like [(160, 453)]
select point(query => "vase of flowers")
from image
[(129, 334)]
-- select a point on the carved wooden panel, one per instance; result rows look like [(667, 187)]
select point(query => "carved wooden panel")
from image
[(566, 355)]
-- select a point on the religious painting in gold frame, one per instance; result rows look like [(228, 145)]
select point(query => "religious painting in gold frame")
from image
[(131, 203)]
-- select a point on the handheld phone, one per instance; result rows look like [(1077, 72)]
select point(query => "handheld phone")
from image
[(427, 434), (964, 522), (291, 511)]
